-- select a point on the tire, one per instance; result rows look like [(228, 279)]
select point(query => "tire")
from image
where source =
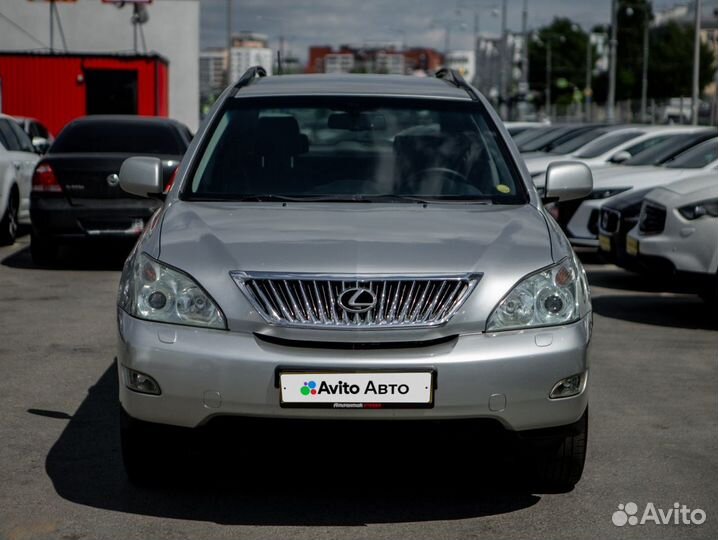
[(8, 223), (557, 462), (44, 251), (149, 451)]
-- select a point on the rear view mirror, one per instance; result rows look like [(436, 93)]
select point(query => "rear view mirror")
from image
[(620, 157), (40, 144), (567, 180), (364, 121), (141, 176)]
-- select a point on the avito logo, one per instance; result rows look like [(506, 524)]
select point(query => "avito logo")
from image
[(345, 389), (309, 388)]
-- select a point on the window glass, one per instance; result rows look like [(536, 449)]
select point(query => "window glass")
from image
[(10, 141), (23, 140), (660, 151), (134, 137), (604, 144), (336, 148), (697, 157)]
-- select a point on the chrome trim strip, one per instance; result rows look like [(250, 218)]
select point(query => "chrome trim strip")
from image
[(404, 301)]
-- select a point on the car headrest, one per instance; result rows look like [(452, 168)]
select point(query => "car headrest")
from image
[(280, 135)]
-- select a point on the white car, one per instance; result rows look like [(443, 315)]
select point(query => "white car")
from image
[(678, 231), (611, 147), (580, 219), (17, 163)]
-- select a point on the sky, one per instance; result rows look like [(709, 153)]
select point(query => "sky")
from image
[(417, 22)]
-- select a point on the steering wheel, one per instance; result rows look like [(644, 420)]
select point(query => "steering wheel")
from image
[(454, 175)]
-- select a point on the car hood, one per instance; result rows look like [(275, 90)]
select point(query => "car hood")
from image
[(210, 239), (705, 183), (645, 177)]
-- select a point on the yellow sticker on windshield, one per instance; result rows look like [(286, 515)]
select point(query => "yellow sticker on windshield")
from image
[(503, 188)]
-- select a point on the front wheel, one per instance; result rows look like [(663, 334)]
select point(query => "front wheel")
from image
[(8, 222), (557, 462), (149, 451)]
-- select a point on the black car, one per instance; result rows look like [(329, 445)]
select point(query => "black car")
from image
[(75, 188)]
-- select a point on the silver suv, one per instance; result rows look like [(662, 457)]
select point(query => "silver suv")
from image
[(354, 247)]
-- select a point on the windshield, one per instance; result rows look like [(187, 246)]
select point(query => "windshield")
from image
[(697, 157), (579, 140), (117, 136), (666, 148), (604, 144), (354, 149)]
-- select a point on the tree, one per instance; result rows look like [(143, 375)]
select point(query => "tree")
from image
[(670, 71), (670, 64), (568, 59)]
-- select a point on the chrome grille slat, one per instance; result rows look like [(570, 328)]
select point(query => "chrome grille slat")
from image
[(312, 300)]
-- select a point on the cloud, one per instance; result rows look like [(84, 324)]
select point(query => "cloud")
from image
[(418, 22)]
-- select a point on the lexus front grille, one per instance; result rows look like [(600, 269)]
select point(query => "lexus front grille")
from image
[(343, 301)]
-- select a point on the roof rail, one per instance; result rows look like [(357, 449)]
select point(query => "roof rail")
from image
[(454, 77), (249, 75)]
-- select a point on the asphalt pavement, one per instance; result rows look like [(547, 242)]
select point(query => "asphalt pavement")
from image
[(653, 436)]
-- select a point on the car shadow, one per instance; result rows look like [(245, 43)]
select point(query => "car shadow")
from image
[(93, 256), (677, 311), (311, 477), (611, 277)]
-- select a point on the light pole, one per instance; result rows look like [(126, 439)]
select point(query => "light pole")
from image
[(525, 48), (612, 68), (502, 60), (228, 73), (644, 77), (588, 91), (696, 64), (548, 78)]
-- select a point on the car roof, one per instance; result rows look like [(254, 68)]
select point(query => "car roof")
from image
[(124, 119), (353, 84)]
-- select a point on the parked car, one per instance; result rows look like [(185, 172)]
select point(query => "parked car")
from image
[(619, 214), (75, 188), (17, 161), (550, 138), (514, 128), (607, 146), (39, 135), (409, 274), (580, 218), (677, 233)]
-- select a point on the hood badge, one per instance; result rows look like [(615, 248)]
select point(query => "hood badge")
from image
[(356, 300)]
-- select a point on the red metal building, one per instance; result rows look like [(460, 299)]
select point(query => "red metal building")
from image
[(56, 88)]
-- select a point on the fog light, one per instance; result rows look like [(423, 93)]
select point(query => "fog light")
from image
[(570, 386), (139, 382)]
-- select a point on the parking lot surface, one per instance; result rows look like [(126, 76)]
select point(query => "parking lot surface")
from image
[(653, 435)]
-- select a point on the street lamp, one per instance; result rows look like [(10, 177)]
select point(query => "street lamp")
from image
[(549, 67), (612, 68)]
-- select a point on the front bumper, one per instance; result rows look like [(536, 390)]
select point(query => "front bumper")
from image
[(208, 373), (683, 246)]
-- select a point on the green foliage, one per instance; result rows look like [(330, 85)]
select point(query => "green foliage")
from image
[(568, 58), (670, 69)]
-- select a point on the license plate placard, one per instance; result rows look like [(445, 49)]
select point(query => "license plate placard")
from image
[(631, 246), (604, 242), (361, 390)]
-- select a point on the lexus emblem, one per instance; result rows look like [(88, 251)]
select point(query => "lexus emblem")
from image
[(356, 300), (112, 180)]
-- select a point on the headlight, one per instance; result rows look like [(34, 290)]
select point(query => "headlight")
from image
[(704, 208), (553, 296), (153, 291), (606, 193)]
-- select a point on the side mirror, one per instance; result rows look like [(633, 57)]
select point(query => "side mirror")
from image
[(567, 180), (620, 157), (40, 144), (141, 176)]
